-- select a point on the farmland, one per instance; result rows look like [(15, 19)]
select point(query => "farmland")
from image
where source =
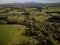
[(30, 26)]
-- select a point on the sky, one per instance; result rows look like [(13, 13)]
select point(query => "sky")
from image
[(21, 1)]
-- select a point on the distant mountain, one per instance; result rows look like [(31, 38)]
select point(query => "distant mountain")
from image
[(30, 4), (52, 4), (26, 4)]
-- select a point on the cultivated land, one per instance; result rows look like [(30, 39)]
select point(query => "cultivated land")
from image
[(30, 26)]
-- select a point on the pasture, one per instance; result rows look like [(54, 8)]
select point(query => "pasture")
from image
[(12, 34), (15, 22)]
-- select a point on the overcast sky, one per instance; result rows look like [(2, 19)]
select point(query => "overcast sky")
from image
[(42, 1)]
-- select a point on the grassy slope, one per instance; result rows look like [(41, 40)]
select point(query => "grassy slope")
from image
[(9, 34)]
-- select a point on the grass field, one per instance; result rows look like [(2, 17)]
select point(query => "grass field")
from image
[(12, 34)]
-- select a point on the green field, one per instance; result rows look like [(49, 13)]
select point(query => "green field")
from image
[(12, 34), (13, 25)]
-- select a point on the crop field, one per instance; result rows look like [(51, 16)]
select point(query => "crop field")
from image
[(30, 26)]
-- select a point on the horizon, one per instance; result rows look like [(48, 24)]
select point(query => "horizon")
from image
[(23, 1)]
